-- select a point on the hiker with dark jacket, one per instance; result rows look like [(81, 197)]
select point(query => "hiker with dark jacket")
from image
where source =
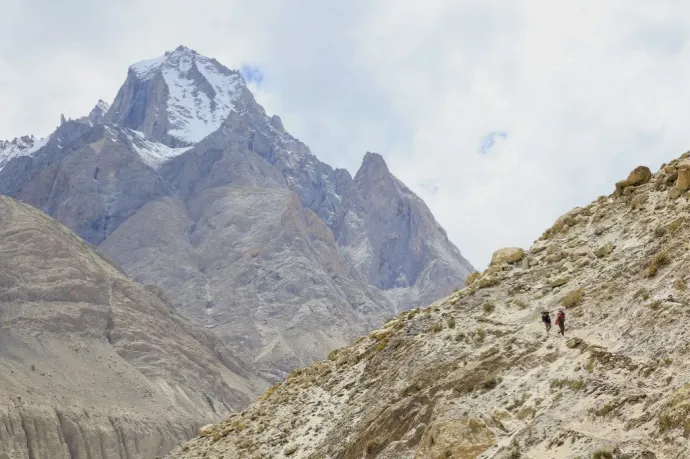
[(546, 318), (560, 321)]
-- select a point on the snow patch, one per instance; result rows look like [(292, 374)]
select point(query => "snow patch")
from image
[(192, 112), (154, 154), (20, 146), (147, 68)]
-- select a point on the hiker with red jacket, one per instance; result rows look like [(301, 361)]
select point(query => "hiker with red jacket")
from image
[(560, 321)]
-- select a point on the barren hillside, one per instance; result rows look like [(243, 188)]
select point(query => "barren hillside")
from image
[(476, 375), (92, 364)]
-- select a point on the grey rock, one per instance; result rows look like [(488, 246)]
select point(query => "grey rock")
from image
[(390, 236), (87, 178)]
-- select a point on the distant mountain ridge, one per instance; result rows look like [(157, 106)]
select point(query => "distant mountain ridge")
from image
[(188, 184)]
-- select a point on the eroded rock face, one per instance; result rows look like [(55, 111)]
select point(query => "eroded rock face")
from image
[(93, 365)]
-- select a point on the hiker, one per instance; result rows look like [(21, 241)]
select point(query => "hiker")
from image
[(560, 321), (546, 318)]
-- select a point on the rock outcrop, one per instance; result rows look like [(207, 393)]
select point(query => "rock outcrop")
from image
[(93, 365), (639, 176), (507, 255), (476, 375)]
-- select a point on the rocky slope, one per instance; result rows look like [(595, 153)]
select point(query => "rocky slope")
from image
[(189, 185), (93, 365), (475, 375)]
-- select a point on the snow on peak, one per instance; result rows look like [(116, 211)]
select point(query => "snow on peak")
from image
[(20, 146), (201, 91), (153, 153), (147, 68)]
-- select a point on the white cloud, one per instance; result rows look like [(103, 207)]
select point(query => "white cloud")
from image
[(584, 90)]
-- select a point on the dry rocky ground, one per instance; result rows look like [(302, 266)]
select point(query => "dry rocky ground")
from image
[(475, 375)]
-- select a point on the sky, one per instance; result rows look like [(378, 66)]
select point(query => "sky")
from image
[(501, 114)]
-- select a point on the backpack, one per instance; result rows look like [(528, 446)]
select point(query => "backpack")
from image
[(545, 317), (560, 318)]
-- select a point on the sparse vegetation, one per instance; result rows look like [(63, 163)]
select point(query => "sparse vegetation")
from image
[(451, 322), (642, 293), (491, 382), (602, 454), (655, 304), (573, 298), (525, 413), (486, 282), (488, 307), (469, 280), (520, 304), (480, 334), (680, 285), (659, 260), (675, 225), (605, 410), (518, 402), (572, 384), (381, 345)]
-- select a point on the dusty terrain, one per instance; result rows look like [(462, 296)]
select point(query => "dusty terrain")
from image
[(475, 375)]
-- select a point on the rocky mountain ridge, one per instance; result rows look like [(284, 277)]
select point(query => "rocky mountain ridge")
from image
[(475, 375), (93, 365), (189, 185)]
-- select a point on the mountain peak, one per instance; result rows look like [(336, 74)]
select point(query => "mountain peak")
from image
[(98, 112), (373, 166), (373, 160), (177, 98)]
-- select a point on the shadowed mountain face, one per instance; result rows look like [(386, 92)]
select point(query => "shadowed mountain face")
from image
[(189, 185), (93, 365)]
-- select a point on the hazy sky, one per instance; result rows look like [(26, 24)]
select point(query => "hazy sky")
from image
[(501, 115)]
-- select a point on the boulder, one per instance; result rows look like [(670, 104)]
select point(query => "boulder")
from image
[(604, 250), (206, 430), (639, 176), (507, 255)]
